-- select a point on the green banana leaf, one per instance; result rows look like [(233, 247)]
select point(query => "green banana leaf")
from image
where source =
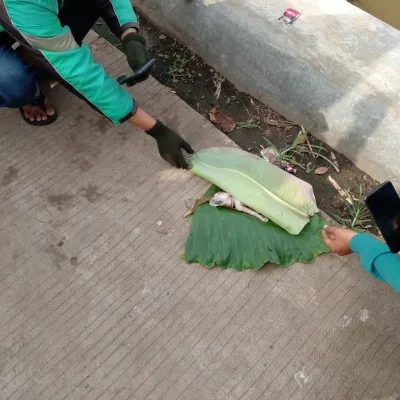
[(279, 196), (231, 239)]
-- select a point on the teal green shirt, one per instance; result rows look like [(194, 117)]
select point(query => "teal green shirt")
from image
[(377, 259), (35, 24)]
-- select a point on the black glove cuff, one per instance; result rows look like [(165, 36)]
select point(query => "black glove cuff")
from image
[(157, 130), (133, 37)]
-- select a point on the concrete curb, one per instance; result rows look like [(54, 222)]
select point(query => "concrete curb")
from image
[(335, 70)]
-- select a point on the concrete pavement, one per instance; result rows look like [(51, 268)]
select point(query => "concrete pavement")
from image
[(96, 302)]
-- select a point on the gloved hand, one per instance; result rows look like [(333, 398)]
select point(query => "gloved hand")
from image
[(134, 46), (170, 145)]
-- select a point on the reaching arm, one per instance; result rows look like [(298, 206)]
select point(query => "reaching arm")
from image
[(377, 259), (118, 15)]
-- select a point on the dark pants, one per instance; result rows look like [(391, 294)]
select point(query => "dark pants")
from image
[(18, 84), (18, 79)]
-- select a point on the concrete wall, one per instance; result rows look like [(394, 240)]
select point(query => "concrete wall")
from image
[(336, 70)]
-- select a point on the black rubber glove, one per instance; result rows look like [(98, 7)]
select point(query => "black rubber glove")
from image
[(134, 46), (170, 145)]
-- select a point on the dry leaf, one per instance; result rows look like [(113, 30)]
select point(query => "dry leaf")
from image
[(222, 121), (321, 170), (212, 114)]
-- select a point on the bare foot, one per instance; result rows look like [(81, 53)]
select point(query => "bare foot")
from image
[(36, 113)]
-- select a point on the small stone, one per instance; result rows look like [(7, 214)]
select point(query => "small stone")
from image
[(175, 80), (162, 37), (178, 56), (199, 75)]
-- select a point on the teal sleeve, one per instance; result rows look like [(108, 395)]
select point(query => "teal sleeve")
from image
[(74, 64), (124, 11), (118, 15), (377, 259)]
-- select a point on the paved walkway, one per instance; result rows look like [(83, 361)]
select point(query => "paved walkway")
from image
[(96, 302)]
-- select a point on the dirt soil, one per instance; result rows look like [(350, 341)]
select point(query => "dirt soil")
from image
[(255, 124)]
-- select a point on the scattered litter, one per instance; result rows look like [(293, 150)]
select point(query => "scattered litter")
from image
[(363, 315), (334, 159), (289, 16), (221, 120), (159, 223), (288, 167), (301, 378), (162, 37), (271, 155), (218, 81), (321, 170), (344, 321), (309, 167), (341, 191), (218, 91), (162, 231)]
